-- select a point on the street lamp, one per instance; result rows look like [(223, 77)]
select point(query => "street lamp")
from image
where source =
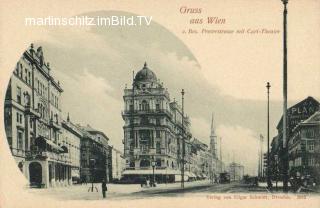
[(92, 163), (153, 164), (276, 161), (284, 130), (268, 159)]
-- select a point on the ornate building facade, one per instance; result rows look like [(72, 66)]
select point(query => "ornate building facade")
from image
[(153, 130), (71, 138), (297, 114), (94, 155), (304, 148), (33, 122)]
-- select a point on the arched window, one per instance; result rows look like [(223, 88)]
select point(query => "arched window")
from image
[(145, 105)]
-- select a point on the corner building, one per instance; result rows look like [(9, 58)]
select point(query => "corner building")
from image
[(153, 131), (33, 122)]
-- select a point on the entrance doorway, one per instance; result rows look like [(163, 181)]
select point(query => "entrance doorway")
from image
[(35, 173)]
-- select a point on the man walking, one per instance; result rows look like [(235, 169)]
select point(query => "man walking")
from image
[(104, 188)]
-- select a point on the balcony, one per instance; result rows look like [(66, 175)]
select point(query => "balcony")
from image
[(32, 112), (147, 112), (144, 151), (18, 152), (43, 155), (54, 124)]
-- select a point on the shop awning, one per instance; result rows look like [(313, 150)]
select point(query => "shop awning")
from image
[(150, 172), (54, 146), (51, 143)]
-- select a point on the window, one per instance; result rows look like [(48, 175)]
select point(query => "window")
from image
[(158, 162), (19, 95), (158, 148), (26, 75), (310, 133), (157, 121), (158, 133), (311, 161), (144, 120), (303, 146), (29, 78), (157, 106), (311, 146), (20, 140), (17, 69), (18, 118), (21, 68)]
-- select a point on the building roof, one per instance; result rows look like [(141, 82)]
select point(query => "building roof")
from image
[(313, 120), (91, 130), (72, 128), (145, 75)]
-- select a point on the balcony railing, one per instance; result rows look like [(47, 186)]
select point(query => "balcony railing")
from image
[(147, 168), (18, 152), (54, 124), (150, 111), (48, 155), (31, 111)]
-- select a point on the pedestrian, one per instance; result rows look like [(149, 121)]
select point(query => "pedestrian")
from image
[(147, 182), (104, 188)]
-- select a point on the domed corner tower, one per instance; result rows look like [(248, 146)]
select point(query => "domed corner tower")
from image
[(147, 125), (146, 78)]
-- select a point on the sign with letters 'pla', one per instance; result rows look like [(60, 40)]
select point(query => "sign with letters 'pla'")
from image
[(302, 111)]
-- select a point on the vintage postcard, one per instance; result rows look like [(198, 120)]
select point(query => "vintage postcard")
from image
[(160, 103)]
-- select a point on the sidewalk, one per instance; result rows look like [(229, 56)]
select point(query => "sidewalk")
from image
[(80, 192), (314, 189)]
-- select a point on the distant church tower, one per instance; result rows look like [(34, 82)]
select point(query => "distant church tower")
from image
[(213, 139)]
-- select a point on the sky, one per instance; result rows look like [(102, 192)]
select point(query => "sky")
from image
[(93, 66)]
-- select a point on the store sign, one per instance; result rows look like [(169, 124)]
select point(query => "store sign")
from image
[(302, 111)]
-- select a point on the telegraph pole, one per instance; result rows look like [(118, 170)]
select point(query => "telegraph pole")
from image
[(284, 120), (183, 141)]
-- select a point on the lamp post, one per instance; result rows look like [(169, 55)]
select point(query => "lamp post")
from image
[(92, 164), (276, 161), (153, 164), (183, 142), (268, 157), (284, 131)]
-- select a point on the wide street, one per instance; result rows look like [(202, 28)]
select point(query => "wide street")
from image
[(134, 191)]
